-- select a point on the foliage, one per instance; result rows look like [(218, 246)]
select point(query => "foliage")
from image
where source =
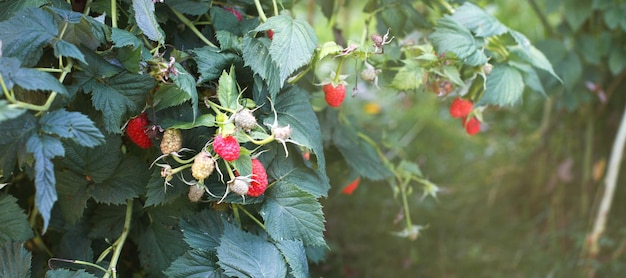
[(73, 75)]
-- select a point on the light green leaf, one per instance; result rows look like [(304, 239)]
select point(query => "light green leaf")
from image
[(292, 214), (66, 49), (9, 111), (159, 246), (130, 58), (24, 34), (202, 231), (186, 83), (243, 254), (72, 125), (522, 41), (211, 62), (195, 264), (409, 77), (329, 48), (228, 41), (13, 140), (66, 273), (295, 255), (479, 21), (536, 59), (227, 90), (571, 68), (146, 20), (450, 36), (169, 95), (44, 148), (504, 86), (15, 225), (15, 260), (256, 55), (531, 79), (452, 73), (293, 43)]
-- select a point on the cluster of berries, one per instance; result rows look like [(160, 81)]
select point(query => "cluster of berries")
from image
[(461, 108)]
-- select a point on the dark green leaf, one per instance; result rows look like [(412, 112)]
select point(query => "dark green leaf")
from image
[(75, 244), (243, 254), (227, 90), (27, 78), (66, 273), (157, 193), (66, 49), (13, 140), (186, 83), (15, 225), (576, 12), (72, 191), (293, 170), (122, 38), (450, 36), (73, 125), (617, 60), (159, 246), (9, 111), (479, 21), (293, 43), (202, 231), (295, 255), (504, 86), (127, 182), (146, 20), (24, 34), (130, 58), (15, 260), (211, 62), (96, 68), (256, 55), (108, 221), (44, 148), (292, 214), (98, 163), (228, 41), (191, 7), (169, 95), (88, 32), (224, 20), (9, 8), (531, 79), (570, 68), (359, 154), (394, 17), (195, 264)]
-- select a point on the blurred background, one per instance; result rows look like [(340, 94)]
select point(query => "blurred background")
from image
[(515, 200)]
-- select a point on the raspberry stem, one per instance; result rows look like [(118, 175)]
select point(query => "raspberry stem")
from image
[(191, 27), (265, 141), (119, 243), (251, 217)]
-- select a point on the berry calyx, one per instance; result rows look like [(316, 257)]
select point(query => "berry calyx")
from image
[(226, 147), (136, 131), (259, 179), (172, 141), (203, 165), (334, 95), (460, 108), (472, 126)]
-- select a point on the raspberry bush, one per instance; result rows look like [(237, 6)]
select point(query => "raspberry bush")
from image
[(228, 97)]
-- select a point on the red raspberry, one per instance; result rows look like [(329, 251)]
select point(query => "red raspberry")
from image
[(270, 34), (334, 95), (351, 186), (235, 12), (226, 147), (136, 131), (259, 179), (460, 108), (472, 126)]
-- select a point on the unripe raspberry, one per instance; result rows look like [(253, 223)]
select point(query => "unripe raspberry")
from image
[(282, 132), (239, 186), (245, 120), (195, 193), (369, 74), (226, 147), (136, 131), (259, 179), (203, 165), (460, 108), (172, 141)]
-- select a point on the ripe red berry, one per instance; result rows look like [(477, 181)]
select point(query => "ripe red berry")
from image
[(472, 126), (270, 34), (460, 108), (235, 12), (136, 131), (334, 96), (351, 186), (259, 179), (226, 147)]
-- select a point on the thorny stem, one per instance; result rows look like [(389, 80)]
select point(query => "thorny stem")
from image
[(259, 9), (119, 243), (252, 217), (192, 27)]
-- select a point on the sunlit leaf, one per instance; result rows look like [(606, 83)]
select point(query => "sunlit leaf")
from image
[(504, 86), (146, 20), (450, 36)]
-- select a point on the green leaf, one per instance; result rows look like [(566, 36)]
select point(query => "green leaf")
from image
[(157, 193), (98, 163), (538, 59), (127, 182), (44, 148), (292, 214), (130, 58), (190, 7), (227, 90), (88, 32), (202, 231), (186, 83), (66, 273), (394, 17), (360, 155), (195, 264), (522, 41), (576, 12), (15, 225), (108, 221), (27, 78), (122, 38), (243, 254), (95, 68), (159, 246), (293, 43), (66, 49), (146, 20), (207, 120), (73, 125), (571, 68), (13, 140), (504, 86), (9, 111), (295, 255), (24, 34), (292, 169), (9, 8), (169, 95), (479, 21), (211, 62), (409, 77), (228, 41), (617, 60), (450, 36), (72, 189), (15, 260), (256, 55), (531, 78)]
